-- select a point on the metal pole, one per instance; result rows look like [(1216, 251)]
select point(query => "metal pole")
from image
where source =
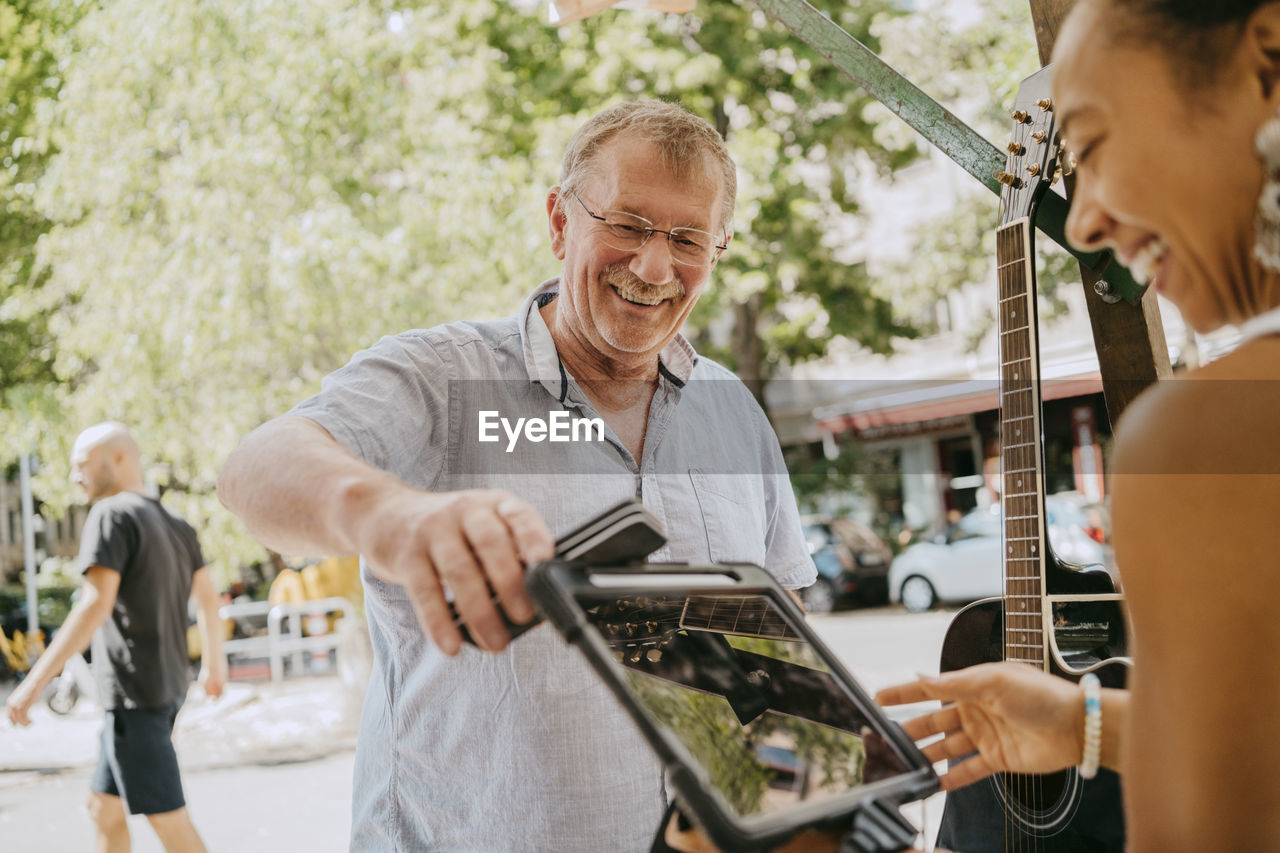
[(29, 545)]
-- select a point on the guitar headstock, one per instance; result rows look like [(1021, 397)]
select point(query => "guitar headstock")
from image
[(634, 622), (1032, 164)]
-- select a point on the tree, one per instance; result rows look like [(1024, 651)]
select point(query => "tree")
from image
[(30, 36), (796, 128), (231, 199), (243, 196), (972, 62)]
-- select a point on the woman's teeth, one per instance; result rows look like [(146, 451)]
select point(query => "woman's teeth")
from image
[(1146, 262)]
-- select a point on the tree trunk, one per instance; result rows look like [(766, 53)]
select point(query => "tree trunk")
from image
[(748, 350)]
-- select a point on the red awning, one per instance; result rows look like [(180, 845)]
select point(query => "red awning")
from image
[(945, 401)]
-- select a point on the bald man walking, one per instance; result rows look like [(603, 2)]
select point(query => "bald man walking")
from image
[(141, 564)]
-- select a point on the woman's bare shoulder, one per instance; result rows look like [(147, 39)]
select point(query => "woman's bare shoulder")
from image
[(1220, 419)]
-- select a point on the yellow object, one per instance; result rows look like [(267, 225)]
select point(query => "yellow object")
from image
[(17, 662), (334, 576), (287, 588), (331, 577)]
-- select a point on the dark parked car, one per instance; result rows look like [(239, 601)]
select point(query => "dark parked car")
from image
[(852, 563)]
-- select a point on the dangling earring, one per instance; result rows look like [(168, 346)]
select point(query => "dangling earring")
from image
[(1266, 247)]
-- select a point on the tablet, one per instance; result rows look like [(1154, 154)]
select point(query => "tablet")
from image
[(761, 729)]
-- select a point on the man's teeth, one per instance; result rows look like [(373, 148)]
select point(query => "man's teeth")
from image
[(1146, 262), (639, 299)]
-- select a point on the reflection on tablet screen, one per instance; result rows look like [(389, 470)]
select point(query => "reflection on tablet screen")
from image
[(748, 698)]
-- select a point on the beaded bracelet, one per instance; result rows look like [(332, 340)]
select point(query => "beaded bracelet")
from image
[(1092, 726)]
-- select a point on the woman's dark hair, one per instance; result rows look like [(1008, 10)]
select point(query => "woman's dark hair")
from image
[(1194, 14), (1196, 34)]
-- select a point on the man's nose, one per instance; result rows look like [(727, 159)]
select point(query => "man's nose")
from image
[(652, 262)]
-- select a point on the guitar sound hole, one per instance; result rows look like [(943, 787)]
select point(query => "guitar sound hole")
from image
[(1035, 795)]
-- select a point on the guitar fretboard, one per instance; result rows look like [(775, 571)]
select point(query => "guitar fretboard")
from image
[(747, 615), (1020, 457)]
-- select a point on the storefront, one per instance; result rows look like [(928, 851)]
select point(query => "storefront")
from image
[(941, 442)]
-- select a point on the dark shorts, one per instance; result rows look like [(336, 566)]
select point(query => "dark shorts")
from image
[(137, 762)]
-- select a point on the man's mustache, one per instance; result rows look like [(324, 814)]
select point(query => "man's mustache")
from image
[(634, 288)]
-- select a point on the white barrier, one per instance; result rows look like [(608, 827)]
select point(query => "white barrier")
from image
[(277, 644)]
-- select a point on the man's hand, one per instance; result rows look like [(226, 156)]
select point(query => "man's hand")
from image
[(213, 676), (1015, 717), (21, 700), (469, 542)]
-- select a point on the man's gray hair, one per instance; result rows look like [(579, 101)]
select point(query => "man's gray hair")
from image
[(687, 145)]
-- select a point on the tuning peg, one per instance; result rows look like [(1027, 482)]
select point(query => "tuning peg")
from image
[(1039, 136), (1033, 169), (1045, 104), (1021, 117), (1017, 149), (1057, 176), (1007, 179)]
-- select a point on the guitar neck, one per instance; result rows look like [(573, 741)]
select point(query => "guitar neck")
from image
[(1021, 460), (744, 615)]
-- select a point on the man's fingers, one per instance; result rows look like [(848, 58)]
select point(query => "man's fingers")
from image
[(534, 541), (18, 715), (458, 570), (490, 539), (427, 599)]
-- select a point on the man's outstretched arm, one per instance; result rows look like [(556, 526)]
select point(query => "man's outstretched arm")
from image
[(301, 492), (97, 598)]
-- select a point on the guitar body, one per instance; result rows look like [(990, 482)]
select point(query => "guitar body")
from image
[(1058, 812), (1066, 620)]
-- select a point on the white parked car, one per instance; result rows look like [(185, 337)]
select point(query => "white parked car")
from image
[(965, 565)]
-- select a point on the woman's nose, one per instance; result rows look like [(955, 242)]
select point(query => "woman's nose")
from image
[(1088, 224)]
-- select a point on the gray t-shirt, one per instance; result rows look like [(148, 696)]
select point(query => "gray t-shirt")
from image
[(140, 654), (526, 750)]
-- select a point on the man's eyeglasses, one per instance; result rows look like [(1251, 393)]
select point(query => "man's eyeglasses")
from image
[(628, 232)]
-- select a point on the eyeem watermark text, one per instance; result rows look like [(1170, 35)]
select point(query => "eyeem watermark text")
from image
[(558, 426)]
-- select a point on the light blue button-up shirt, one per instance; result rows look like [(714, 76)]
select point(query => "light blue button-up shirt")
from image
[(526, 750)]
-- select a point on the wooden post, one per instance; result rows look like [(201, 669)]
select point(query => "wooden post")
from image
[(1129, 337)]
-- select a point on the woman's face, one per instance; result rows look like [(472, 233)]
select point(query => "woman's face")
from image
[(1166, 176)]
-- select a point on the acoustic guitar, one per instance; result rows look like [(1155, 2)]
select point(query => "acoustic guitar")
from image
[(1061, 618)]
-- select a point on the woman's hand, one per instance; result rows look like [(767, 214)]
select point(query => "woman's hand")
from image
[(1015, 717)]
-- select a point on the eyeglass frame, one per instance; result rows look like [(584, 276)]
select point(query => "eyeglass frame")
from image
[(650, 230)]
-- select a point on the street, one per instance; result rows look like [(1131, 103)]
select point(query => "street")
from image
[(269, 769)]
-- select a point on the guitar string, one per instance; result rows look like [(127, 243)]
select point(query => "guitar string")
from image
[(1019, 527)]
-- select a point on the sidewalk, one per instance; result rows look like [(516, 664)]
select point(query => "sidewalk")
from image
[(251, 723)]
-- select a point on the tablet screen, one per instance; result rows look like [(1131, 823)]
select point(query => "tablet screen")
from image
[(749, 698)]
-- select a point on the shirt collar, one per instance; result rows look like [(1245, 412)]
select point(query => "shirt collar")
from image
[(675, 362)]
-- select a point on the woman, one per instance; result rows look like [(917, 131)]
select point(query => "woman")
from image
[(1169, 108)]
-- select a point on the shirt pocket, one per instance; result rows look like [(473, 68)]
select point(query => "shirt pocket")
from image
[(733, 513)]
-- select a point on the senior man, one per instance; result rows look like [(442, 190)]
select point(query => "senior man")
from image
[(399, 459)]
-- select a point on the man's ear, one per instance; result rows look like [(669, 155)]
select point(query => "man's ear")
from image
[(728, 241), (557, 218)]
